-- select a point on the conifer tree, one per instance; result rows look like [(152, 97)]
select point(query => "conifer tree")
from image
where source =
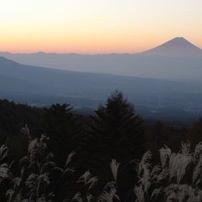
[(62, 127), (118, 129)]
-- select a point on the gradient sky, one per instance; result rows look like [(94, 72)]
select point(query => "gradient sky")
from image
[(96, 26)]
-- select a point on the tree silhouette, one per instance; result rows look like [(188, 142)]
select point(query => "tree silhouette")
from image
[(63, 128), (194, 134), (118, 129)]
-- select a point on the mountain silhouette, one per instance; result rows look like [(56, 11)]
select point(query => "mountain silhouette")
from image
[(177, 59), (44, 86), (176, 47)]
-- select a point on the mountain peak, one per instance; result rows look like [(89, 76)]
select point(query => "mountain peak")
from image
[(177, 46), (179, 41), (179, 38)]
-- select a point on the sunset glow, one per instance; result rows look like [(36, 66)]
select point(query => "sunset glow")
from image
[(96, 26)]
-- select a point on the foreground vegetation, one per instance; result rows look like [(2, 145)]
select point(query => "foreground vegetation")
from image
[(109, 156)]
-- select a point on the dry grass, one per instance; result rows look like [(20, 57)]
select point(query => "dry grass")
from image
[(177, 178), (36, 177)]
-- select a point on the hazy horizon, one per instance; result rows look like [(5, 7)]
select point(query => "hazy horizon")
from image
[(96, 27), (176, 59), (105, 53)]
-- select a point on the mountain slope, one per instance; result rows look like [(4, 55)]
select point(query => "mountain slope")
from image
[(177, 47), (60, 82), (175, 60), (14, 86), (44, 86)]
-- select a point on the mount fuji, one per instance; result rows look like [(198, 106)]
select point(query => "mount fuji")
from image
[(161, 81), (177, 47), (175, 60)]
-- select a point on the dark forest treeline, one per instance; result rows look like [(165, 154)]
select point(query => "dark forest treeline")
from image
[(14, 116), (66, 154)]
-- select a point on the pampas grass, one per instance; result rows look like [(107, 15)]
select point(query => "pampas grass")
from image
[(165, 153), (87, 179), (4, 171), (37, 177), (109, 193), (3, 152), (169, 181), (114, 165)]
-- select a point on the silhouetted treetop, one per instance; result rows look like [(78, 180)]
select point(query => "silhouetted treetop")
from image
[(117, 106), (63, 128), (117, 128)]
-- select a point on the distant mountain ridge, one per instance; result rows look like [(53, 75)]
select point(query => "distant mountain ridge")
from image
[(177, 47), (161, 82), (175, 60), (44, 86)]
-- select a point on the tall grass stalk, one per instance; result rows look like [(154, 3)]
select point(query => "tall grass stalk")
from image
[(114, 165)]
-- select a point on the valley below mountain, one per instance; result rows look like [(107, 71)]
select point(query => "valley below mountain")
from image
[(163, 83)]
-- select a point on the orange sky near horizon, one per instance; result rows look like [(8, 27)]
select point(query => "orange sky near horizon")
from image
[(96, 26)]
